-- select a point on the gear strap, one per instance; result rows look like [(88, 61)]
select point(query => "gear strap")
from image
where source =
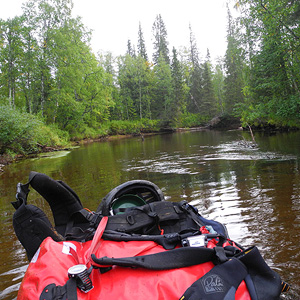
[(65, 292), (220, 283), (172, 259)]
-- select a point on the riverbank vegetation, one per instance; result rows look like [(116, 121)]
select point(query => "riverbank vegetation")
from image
[(54, 89)]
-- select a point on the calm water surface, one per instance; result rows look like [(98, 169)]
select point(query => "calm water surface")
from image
[(254, 191)]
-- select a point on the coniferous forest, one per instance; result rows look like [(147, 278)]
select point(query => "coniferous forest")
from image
[(54, 88)]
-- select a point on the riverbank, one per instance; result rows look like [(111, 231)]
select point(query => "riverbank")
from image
[(7, 159), (119, 131)]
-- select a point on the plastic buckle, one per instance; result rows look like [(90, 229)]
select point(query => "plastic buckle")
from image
[(81, 275)]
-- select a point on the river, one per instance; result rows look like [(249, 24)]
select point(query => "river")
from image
[(254, 191)]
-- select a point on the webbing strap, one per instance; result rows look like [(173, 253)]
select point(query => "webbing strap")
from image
[(220, 283), (57, 292), (23, 191), (172, 259), (21, 196), (96, 243)]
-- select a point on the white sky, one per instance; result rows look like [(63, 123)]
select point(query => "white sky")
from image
[(115, 21)]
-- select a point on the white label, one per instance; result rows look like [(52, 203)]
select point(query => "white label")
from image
[(197, 241), (67, 246)]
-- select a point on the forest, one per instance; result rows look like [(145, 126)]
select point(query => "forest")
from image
[(54, 88)]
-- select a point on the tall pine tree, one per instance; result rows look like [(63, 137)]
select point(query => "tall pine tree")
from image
[(209, 100), (141, 44), (161, 43), (162, 97), (234, 67), (130, 49), (195, 103), (218, 85), (179, 90)]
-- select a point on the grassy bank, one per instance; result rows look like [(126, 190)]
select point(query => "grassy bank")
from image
[(23, 134)]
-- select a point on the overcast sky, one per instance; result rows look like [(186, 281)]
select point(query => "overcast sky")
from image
[(114, 22)]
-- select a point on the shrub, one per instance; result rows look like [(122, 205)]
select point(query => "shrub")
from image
[(21, 133), (288, 111), (122, 127), (275, 112), (189, 120)]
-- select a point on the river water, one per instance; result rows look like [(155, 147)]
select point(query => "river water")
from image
[(254, 191)]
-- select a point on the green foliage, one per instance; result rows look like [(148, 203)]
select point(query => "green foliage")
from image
[(272, 40), (284, 113), (118, 127), (133, 127), (218, 86), (195, 78), (288, 109), (135, 81), (161, 50), (86, 132), (49, 70), (189, 120), (209, 100), (23, 132), (54, 72), (251, 114), (234, 67), (179, 90), (162, 94), (141, 44)]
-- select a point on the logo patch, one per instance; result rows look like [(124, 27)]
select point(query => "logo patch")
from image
[(213, 284)]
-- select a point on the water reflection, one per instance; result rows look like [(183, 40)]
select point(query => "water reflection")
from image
[(238, 151), (14, 275), (254, 191)]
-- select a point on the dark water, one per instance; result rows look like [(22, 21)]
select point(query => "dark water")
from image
[(254, 191)]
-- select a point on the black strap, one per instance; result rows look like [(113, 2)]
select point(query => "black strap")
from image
[(57, 292), (23, 191), (168, 241), (266, 282), (220, 283), (71, 289), (192, 211), (220, 253), (172, 259), (22, 194), (82, 225)]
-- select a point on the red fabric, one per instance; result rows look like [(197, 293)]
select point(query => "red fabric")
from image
[(204, 230), (52, 261)]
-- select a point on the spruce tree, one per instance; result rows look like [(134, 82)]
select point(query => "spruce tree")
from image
[(130, 49), (179, 90), (160, 41), (209, 100), (234, 68), (141, 44), (218, 85), (162, 97), (194, 104)]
